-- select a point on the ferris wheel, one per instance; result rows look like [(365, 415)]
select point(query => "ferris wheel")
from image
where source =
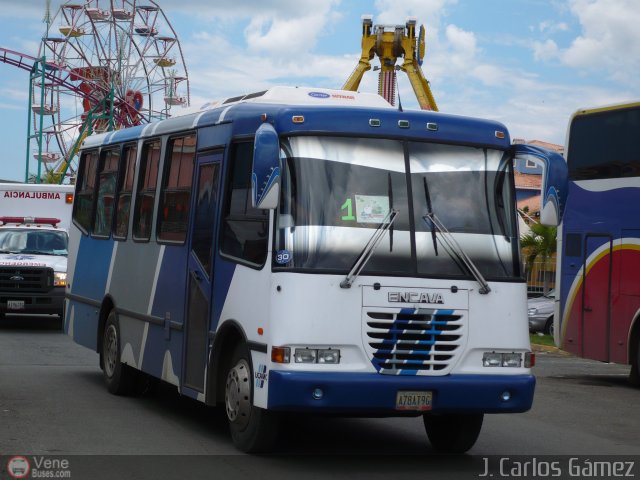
[(106, 65)]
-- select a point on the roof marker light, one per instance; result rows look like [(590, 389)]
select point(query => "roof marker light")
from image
[(297, 119), (374, 122), (29, 220), (432, 126), (403, 123), (499, 134)]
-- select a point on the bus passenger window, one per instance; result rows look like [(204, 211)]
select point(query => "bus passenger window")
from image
[(85, 189), (245, 229), (146, 192), (125, 187), (175, 199), (108, 169)]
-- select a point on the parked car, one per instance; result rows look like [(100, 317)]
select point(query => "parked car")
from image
[(540, 312)]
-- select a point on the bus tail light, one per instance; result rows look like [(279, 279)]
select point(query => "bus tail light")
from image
[(280, 354)]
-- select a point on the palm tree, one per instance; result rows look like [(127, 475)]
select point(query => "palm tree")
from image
[(49, 176), (540, 243)]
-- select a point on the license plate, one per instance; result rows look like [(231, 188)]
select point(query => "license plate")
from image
[(15, 304), (419, 401)]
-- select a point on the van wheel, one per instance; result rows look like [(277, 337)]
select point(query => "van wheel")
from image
[(548, 327), (253, 429), (453, 433), (120, 378)]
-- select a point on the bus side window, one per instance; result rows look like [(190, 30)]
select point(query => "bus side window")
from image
[(108, 170), (175, 196), (244, 229), (146, 191), (125, 187), (85, 190)]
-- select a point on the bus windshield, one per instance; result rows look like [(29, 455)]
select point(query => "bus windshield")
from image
[(337, 191)]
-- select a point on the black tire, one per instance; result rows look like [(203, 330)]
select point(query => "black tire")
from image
[(548, 327), (453, 433), (120, 378), (253, 429), (634, 374)]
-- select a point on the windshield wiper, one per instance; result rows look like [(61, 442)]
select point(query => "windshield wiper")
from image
[(453, 246), (368, 249)]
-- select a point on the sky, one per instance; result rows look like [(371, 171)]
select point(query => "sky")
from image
[(527, 63)]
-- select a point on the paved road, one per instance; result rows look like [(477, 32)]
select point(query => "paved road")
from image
[(53, 402)]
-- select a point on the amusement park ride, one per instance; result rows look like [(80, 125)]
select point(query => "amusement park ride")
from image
[(101, 65), (109, 64), (389, 43)]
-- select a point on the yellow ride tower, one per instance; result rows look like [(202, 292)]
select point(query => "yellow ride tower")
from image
[(390, 42)]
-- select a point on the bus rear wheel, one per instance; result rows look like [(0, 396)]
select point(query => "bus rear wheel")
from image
[(120, 378), (453, 433), (253, 429)]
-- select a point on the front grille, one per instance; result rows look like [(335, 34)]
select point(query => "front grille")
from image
[(25, 279), (413, 342)]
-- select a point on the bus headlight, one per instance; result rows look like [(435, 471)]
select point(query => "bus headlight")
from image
[(59, 279), (496, 359), (329, 356), (305, 355), (320, 355)]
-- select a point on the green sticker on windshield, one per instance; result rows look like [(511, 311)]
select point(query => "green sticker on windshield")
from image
[(349, 216), (371, 208)]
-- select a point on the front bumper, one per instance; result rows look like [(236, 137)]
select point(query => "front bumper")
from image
[(51, 302), (375, 394)]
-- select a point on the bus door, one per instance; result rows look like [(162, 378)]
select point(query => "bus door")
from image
[(200, 266), (596, 305)]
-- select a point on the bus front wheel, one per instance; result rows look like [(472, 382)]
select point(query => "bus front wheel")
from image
[(453, 433), (120, 378), (253, 429)]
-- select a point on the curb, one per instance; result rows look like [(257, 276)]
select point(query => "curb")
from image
[(548, 349)]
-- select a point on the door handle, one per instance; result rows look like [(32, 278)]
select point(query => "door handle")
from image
[(196, 275)]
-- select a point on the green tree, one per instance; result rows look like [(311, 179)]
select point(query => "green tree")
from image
[(49, 176), (540, 244)]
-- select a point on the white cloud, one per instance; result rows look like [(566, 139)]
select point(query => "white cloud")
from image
[(609, 38), (547, 50), (550, 26), (288, 35), (463, 46), (394, 12)]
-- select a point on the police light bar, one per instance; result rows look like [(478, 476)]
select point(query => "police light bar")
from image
[(30, 220)]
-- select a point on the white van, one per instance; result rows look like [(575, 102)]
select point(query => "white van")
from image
[(34, 220)]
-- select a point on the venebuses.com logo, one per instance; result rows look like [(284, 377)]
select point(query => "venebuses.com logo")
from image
[(18, 467)]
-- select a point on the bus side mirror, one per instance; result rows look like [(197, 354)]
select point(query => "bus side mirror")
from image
[(265, 174), (553, 194)]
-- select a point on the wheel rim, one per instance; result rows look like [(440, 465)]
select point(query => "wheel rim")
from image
[(110, 349), (238, 394)]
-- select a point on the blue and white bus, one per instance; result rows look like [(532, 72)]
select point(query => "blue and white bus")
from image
[(307, 250)]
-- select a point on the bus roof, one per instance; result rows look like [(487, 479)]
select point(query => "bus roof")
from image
[(321, 111), (605, 108)]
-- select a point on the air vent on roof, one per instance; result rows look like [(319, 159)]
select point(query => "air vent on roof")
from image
[(244, 97), (255, 95)]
